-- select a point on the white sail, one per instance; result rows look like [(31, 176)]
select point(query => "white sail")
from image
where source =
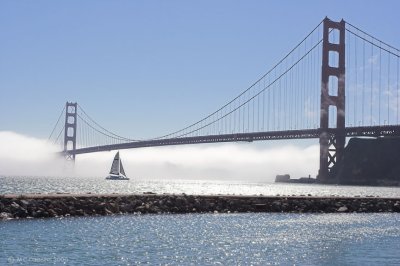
[(121, 168), (115, 165), (117, 171)]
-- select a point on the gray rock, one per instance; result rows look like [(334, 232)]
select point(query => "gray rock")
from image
[(113, 207), (53, 213), (25, 202), (180, 201), (37, 214), (141, 209), (80, 212), (15, 205), (276, 206), (21, 213), (5, 216), (108, 212), (342, 209), (396, 206)]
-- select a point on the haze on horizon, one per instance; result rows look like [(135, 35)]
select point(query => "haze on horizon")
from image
[(24, 155)]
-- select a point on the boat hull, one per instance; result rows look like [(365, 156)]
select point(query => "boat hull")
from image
[(117, 177)]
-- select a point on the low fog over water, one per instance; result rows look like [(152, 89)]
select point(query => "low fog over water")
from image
[(24, 155)]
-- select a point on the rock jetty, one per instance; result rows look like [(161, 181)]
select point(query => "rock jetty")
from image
[(64, 205)]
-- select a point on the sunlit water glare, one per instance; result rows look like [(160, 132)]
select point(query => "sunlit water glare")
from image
[(21, 185), (205, 239)]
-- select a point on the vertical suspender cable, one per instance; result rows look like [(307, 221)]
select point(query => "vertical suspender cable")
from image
[(253, 101), (253, 109), (295, 95), (309, 89), (388, 92), (245, 115), (273, 103), (291, 96), (239, 115), (244, 111), (234, 118), (372, 83), (301, 100), (356, 88), (263, 106), (347, 72), (268, 105), (291, 115), (320, 78), (278, 104), (397, 93), (248, 111), (348, 69), (270, 110), (380, 79), (304, 87), (258, 109), (285, 97), (363, 88)]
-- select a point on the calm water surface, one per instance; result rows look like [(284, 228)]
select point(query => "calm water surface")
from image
[(204, 239)]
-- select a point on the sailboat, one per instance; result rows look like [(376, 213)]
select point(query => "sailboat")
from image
[(117, 170)]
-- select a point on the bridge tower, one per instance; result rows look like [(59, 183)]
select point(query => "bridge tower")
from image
[(332, 140), (70, 130)]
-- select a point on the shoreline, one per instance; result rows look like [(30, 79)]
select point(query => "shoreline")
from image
[(16, 206)]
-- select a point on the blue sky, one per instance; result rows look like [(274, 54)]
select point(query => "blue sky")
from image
[(145, 68)]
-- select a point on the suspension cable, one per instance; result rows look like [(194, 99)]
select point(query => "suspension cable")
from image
[(248, 100), (369, 35), (98, 131), (58, 120), (109, 132), (376, 45), (241, 94), (59, 134)]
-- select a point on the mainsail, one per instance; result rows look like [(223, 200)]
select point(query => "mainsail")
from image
[(115, 167)]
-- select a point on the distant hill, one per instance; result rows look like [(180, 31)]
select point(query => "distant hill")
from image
[(370, 162)]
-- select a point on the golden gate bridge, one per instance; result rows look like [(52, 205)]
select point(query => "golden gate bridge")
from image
[(338, 82)]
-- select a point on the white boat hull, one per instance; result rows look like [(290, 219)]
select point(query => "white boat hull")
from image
[(117, 177)]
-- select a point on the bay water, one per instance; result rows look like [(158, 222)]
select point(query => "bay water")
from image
[(199, 239)]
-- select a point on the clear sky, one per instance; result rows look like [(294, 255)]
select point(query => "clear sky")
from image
[(145, 68)]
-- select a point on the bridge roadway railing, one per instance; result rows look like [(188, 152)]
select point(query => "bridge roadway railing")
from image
[(371, 131)]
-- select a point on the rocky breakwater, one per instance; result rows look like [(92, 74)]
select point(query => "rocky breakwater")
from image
[(41, 206)]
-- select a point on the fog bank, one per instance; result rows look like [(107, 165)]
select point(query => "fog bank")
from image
[(24, 155)]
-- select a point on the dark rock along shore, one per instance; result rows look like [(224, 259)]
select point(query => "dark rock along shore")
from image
[(64, 205)]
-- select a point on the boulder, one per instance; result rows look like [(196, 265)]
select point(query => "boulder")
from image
[(396, 206), (342, 209), (5, 216)]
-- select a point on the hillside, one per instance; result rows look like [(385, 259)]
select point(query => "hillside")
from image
[(370, 162)]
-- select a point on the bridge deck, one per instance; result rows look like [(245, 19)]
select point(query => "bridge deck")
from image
[(372, 131)]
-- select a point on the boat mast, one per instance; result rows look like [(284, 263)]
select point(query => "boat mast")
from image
[(119, 164)]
